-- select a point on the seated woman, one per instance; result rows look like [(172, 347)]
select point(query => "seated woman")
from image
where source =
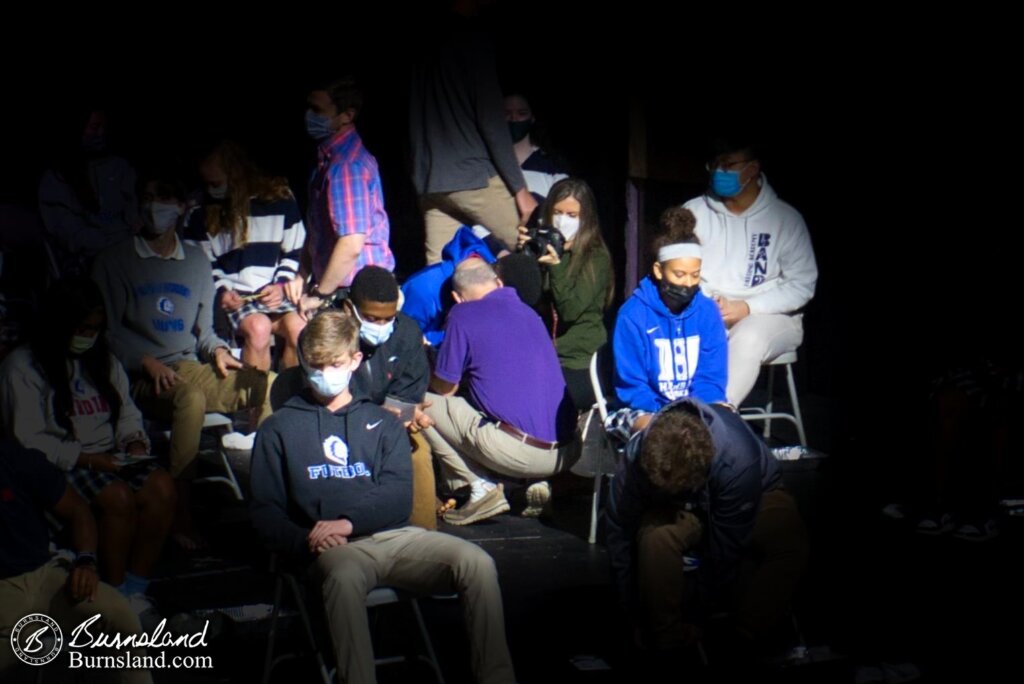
[(669, 339), (580, 283), (251, 229), (68, 397)]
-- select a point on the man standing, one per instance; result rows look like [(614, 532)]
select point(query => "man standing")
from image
[(347, 225), (463, 164)]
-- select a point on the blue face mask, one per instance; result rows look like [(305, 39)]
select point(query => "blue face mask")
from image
[(374, 334), (329, 382), (318, 126), (727, 183)]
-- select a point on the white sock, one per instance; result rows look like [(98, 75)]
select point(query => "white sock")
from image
[(479, 489)]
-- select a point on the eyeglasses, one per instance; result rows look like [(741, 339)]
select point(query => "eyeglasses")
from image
[(737, 165)]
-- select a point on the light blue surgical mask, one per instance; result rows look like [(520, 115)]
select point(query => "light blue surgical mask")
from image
[(318, 126), (329, 382), (374, 334), (81, 344), (727, 183), (160, 217)]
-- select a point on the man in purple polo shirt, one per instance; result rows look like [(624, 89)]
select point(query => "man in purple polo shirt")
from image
[(521, 420)]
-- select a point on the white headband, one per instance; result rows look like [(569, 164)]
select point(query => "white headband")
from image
[(678, 251)]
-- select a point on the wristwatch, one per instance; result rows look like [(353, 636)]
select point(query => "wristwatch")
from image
[(85, 558)]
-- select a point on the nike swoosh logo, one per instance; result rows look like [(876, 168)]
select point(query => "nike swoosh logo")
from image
[(370, 426), (392, 358), (650, 330)]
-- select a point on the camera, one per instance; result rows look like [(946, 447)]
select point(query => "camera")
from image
[(540, 237)]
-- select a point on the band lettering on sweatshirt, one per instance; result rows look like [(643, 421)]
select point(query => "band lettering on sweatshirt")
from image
[(676, 359), (336, 451), (757, 259)]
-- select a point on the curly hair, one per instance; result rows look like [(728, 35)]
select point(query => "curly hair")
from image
[(245, 183), (677, 451), (676, 225)]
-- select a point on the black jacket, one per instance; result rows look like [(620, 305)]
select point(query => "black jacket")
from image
[(741, 471), (309, 464), (398, 368)]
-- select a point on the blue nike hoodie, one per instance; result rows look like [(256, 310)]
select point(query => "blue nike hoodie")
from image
[(661, 357)]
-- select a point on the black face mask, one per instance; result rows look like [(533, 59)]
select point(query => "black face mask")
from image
[(675, 297), (519, 129)]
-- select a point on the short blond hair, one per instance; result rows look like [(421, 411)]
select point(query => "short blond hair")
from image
[(328, 337)]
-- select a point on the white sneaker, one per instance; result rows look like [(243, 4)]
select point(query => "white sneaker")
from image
[(236, 441), (538, 496)]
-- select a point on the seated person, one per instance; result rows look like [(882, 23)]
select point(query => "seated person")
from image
[(521, 420), (580, 282), (87, 199), (428, 292), (33, 582), (250, 227), (697, 480), (669, 339), (759, 265), (332, 483), (159, 303), (394, 367), (67, 396)]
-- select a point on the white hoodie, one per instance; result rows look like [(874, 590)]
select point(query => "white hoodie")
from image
[(762, 256)]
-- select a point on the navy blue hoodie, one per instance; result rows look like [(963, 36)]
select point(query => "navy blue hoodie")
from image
[(311, 464), (741, 471)]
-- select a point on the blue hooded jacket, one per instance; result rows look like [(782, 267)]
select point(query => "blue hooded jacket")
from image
[(661, 357), (428, 292)]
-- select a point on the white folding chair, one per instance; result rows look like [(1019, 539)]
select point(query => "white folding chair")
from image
[(603, 462), (767, 413)]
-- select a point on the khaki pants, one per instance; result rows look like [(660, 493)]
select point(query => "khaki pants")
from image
[(492, 207), (42, 591), (421, 562), (424, 494), (199, 391), (470, 450), (768, 575)]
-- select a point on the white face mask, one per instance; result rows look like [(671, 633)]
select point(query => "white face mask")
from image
[(81, 344), (160, 217), (567, 225), (329, 382)]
